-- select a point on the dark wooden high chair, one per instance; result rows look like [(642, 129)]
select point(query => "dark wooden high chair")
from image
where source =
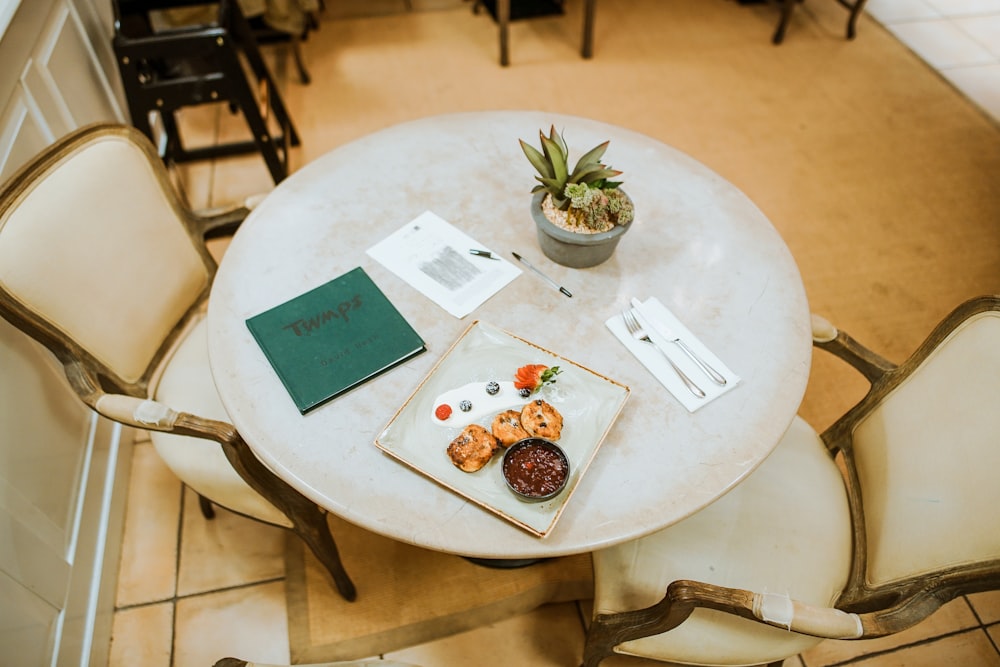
[(505, 11), (165, 68)]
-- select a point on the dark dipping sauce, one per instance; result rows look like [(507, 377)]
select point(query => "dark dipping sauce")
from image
[(535, 468)]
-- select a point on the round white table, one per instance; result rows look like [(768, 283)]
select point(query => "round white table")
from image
[(698, 244)]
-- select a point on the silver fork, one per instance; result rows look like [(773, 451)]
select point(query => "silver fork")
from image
[(636, 331)]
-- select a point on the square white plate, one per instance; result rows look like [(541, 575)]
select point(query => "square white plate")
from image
[(589, 403)]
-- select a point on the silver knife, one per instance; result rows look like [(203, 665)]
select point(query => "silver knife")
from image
[(667, 333)]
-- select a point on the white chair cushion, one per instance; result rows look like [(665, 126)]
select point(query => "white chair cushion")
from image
[(187, 385), (928, 460), (784, 530)]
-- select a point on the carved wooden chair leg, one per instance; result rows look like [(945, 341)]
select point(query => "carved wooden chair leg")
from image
[(312, 528), (308, 521), (205, 504)]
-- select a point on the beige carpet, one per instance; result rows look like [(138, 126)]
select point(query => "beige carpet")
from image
[(408, 596)]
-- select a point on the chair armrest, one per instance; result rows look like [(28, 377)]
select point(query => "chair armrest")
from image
[(683, 596), (152, 415), (138, 412), (825, 622), (783, 612), (828, 337)]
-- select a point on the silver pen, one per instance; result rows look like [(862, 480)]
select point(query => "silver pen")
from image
[(542, 275)]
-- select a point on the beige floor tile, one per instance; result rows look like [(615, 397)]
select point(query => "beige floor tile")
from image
[(966, 649), (346, 10), (894, 11), (984, 29), (550, 636), (229, 550), (941, 43), (149, 549), (965, 7), (194, 180), (981, 84), (236, 178), (142, 636), (952, 617), (199, 125), (248, 622), (986, 606), (994, 633)]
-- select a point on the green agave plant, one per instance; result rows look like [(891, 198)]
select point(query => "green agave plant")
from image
[(552, 164)]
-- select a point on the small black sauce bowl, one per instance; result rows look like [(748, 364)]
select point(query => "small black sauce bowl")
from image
[(527, 443)]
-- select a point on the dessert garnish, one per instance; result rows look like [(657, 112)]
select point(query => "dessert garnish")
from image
[(492, 388), (533, 377), (442, 411), (465, 405)]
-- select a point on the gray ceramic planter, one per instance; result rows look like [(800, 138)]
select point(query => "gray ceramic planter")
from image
[(578, 251)]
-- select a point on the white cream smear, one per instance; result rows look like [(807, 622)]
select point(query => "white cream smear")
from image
[(483, 404)]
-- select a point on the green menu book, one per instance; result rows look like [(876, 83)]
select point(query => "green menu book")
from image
[(333, 338)]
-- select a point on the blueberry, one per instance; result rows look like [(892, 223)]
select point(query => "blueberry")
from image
[(465, 406), (492, 388), (524, 393)]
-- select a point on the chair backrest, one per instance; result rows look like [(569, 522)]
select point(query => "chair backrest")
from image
[(922, 452), (99, 258)]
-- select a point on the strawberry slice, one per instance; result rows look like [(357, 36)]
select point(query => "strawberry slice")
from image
[(534, 376)]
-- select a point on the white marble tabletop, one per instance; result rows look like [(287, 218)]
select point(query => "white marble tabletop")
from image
[(698, 244)]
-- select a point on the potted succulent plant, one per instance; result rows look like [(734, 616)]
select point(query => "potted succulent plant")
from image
[(580, 214)]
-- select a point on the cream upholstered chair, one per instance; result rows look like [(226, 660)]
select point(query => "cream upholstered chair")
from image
[(911, 523), (104, 264)]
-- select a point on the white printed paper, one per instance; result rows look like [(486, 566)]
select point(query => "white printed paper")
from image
[(433, 256)]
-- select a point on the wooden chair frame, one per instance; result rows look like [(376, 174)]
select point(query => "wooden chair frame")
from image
[(118, 398), (862, 611), (854, 7)]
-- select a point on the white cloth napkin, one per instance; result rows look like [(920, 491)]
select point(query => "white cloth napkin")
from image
[(653, 359)]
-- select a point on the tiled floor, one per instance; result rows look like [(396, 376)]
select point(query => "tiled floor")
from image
[(959, 38), (192, 591)]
